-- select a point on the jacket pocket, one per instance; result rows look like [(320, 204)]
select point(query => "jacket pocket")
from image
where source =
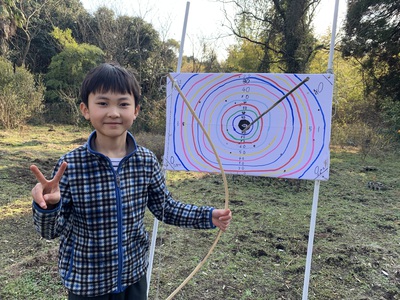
[(67, 260)]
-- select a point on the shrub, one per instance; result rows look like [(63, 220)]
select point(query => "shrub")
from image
[(64, 78), (154, 142), (370, 140), (20, 96)]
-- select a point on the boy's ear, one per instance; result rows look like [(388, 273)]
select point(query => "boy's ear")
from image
[(84, 110), (137, 109)]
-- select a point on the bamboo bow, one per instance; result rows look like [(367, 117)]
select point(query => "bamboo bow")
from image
[(198, 267)]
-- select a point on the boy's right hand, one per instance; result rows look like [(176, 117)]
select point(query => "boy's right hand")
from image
[(46, 193)]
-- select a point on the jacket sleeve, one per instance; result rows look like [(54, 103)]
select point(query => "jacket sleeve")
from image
[(51, 223), (166, 209)]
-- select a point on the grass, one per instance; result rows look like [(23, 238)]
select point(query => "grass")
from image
[(262, 256)]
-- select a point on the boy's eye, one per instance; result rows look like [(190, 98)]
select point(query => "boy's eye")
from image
[(125, 104)]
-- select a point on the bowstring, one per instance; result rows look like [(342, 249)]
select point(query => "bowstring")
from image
[(165, 163), (202, 262)]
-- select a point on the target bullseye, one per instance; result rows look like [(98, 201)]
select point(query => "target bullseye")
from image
[(243, 124)]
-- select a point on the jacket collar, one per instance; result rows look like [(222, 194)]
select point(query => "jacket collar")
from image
[(132, 145)]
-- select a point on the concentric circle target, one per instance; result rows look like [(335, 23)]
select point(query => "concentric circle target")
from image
[(291, 141)]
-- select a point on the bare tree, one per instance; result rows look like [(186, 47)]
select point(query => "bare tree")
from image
[(31, 11), (283, 28)]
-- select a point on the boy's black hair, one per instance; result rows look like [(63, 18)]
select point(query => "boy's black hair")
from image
[(109, 77)]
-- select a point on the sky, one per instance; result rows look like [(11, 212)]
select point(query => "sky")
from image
[(206, 20)]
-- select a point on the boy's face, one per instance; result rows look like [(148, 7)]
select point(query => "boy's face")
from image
[(111, 114)]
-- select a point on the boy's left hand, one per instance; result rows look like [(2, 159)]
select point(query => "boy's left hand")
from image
[(221, 218)]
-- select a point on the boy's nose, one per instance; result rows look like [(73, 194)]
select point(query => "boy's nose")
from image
[(113, 112)]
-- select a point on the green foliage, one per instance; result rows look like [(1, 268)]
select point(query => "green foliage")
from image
[(206, 63), (64, 55), (136, 45), (349, 102), (32, 44), (154, 142), (281, 28), (371, 141), (356, 120), (152, 117), (373, 36), (245, 57), (20, 96), (10, 18), (128, 40), (391, 117), (66, 73), (64, 37)]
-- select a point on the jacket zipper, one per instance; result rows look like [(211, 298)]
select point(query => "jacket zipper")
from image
[(119, 211), (119, 219), (119, 216)]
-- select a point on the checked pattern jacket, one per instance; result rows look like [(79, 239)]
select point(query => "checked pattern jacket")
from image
[(100, 218)]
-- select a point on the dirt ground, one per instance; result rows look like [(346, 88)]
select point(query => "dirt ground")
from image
[(356, 244)]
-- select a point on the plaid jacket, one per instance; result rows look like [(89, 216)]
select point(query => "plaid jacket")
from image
[(103, 241)]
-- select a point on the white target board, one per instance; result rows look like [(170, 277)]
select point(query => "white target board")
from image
[(290, 141)]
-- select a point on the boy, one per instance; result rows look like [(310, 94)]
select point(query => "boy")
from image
[(99, 192)]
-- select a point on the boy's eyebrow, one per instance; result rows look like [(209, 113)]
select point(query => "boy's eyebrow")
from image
[(103, 97)]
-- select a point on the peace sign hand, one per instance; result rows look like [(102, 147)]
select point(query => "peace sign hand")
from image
[(46, 193)]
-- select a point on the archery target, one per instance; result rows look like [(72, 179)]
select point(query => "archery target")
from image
[(290, 141)]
